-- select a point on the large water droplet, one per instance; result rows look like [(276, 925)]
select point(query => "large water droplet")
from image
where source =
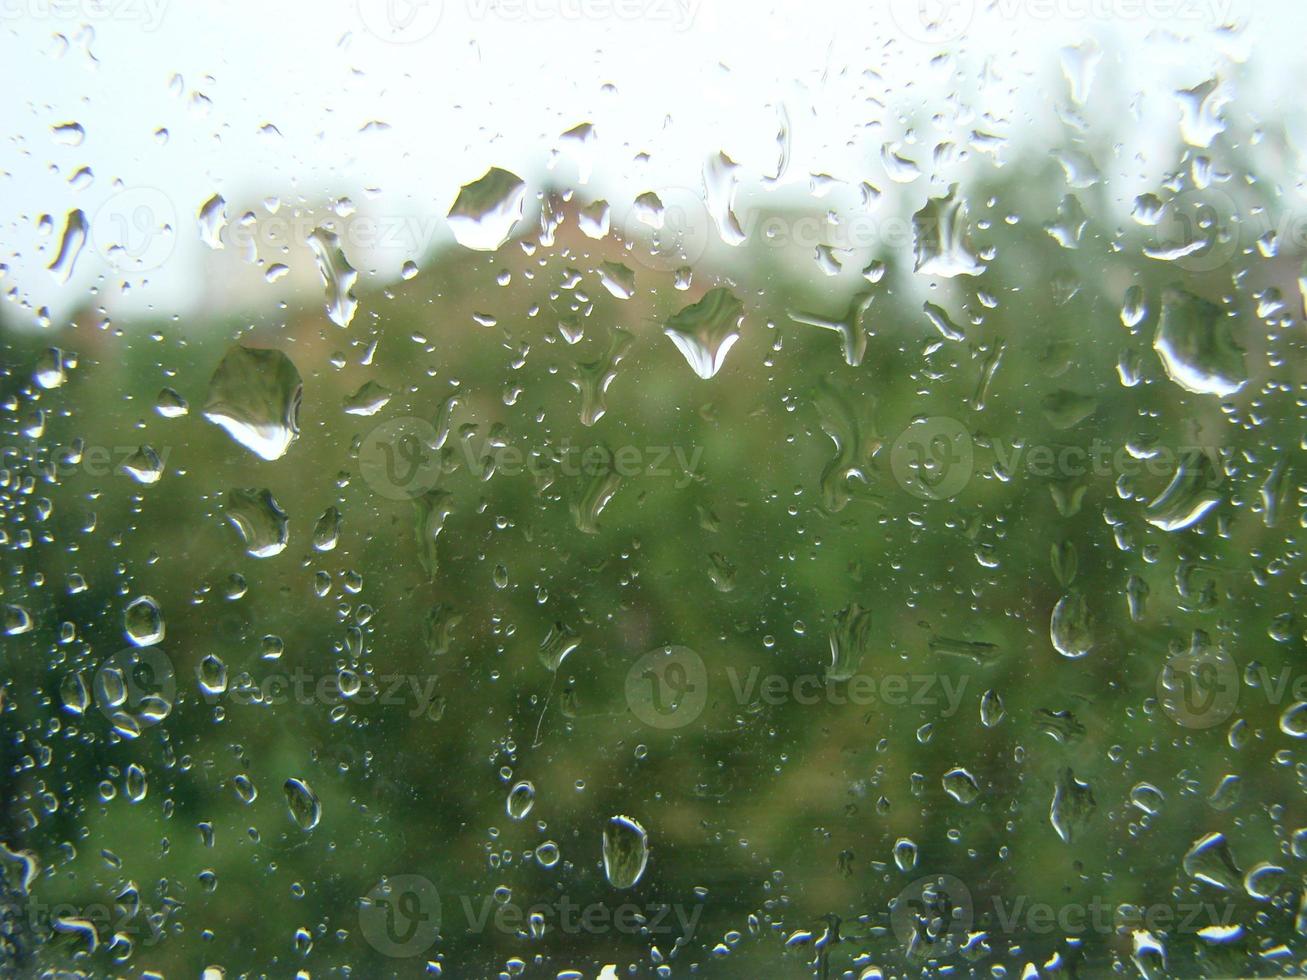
[(255, 395), (942, 242), (71, 244), (961, 785), (338, 276), (1196, 346), (1073, 804), (521, 798), (486, 210), (262, 524), (1209, 860), (305, 808), (143, 621), (705, 332), (850, 639), (1069, 627), (1293, 722), (626, 851)]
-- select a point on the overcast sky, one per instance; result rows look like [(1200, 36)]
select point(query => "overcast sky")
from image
[(396, 104)]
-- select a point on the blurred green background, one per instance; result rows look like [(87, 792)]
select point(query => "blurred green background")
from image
[(764, 819)]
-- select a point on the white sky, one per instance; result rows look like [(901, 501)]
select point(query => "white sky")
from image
[(495, 84)]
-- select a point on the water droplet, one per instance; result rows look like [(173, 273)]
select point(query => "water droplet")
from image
[(991, 708), (559, 643), (50, 370), (617, 279), (1200, 112), (1196, 346), (255, 396), (593, 377), (850, 639), (212, 674), (1147, 797), (1073, 805), (487, 210), (68, 134), (719, 180), (1263, 881), (327, 530), (1293, 722), (170, 404), (1069, 627), (71, 244), (941, 238), (704, 332), (144, 466), (17, 620), (262, 524), (212, 217), (338, 276), (521, 798), (1190, 495), (305, 808), (143, 621), (1209, 860), (135, 783), (961, 785), (368, 400), (626, 851)]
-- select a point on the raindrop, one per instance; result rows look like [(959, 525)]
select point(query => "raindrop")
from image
[(626, 852)]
